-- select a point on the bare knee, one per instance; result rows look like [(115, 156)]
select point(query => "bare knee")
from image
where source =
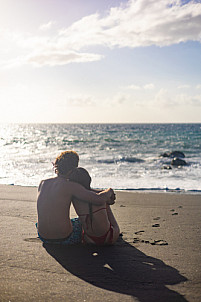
[(116, 232)]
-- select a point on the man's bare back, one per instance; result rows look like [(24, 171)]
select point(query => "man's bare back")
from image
[(53, 205)]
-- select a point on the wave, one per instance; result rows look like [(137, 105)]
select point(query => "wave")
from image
[(177, 190), (148, 190), (107, 151), (112, 140), (123, 159), (132, 160)]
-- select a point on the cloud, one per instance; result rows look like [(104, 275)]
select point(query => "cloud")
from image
[(118, 99), (134, 24), (46, 26), (139, 23), (132, 87), (121, 98), (188, 100), (183, 86), (164, 99), (149, 86), (195, 100), (198, 86), (80, 101), (59, 58)]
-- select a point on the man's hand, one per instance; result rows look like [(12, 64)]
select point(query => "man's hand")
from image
[(112, 198)]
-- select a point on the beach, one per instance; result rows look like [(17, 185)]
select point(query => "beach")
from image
[(157, 256)]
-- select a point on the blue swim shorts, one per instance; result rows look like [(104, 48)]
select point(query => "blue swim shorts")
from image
[(74, 238)]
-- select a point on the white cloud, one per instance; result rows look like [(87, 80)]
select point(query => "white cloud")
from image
[(59, 58), (183, 86), (198, 86), (46, 26), (116, 100), (137, 23), (195, 100), (132, 87), (121, 98), (164, 99), (149, 86), (188, 100), (80, 101)]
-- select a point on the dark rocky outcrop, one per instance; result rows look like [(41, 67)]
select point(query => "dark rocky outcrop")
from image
[(173, 154), (165, 154), (176, 162), (178, 154), (167, 167), (177, 159)]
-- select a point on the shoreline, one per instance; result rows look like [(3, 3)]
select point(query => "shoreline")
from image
[(141, 190)]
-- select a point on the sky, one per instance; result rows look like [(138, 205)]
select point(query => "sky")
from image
[(107, 61)]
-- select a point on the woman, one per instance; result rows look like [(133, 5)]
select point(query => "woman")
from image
[(99, 224)]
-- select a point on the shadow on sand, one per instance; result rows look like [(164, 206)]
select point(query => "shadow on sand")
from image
[(120, 268)]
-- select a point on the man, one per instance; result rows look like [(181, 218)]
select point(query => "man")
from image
[(54, 199)]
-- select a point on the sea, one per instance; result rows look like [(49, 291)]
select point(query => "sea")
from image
[(120, 156)]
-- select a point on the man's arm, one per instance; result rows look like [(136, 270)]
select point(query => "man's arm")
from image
[(96, 190), (79, 192), (39, 187)]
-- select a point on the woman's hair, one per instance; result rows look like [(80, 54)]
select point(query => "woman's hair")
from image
[(81, 176), (65, 162)]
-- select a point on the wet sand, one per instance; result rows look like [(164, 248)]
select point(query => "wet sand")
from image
[(157, 258)]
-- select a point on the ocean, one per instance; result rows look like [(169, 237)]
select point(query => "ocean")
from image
[(121, 156)]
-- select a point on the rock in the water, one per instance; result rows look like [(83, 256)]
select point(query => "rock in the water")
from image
[(178, 162), (178, 154), (167, 167), (165, 154)]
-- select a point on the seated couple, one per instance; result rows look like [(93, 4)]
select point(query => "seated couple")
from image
[(96, 223)]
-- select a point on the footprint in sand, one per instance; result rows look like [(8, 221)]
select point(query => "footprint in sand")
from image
[(32, 239), (156, 218), (156, 225), (155, 242), (159, 242), (135, 240), (139, 232), (175, 213)]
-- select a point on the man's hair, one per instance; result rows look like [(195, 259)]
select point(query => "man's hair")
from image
[(65, 162), (81, 176)]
